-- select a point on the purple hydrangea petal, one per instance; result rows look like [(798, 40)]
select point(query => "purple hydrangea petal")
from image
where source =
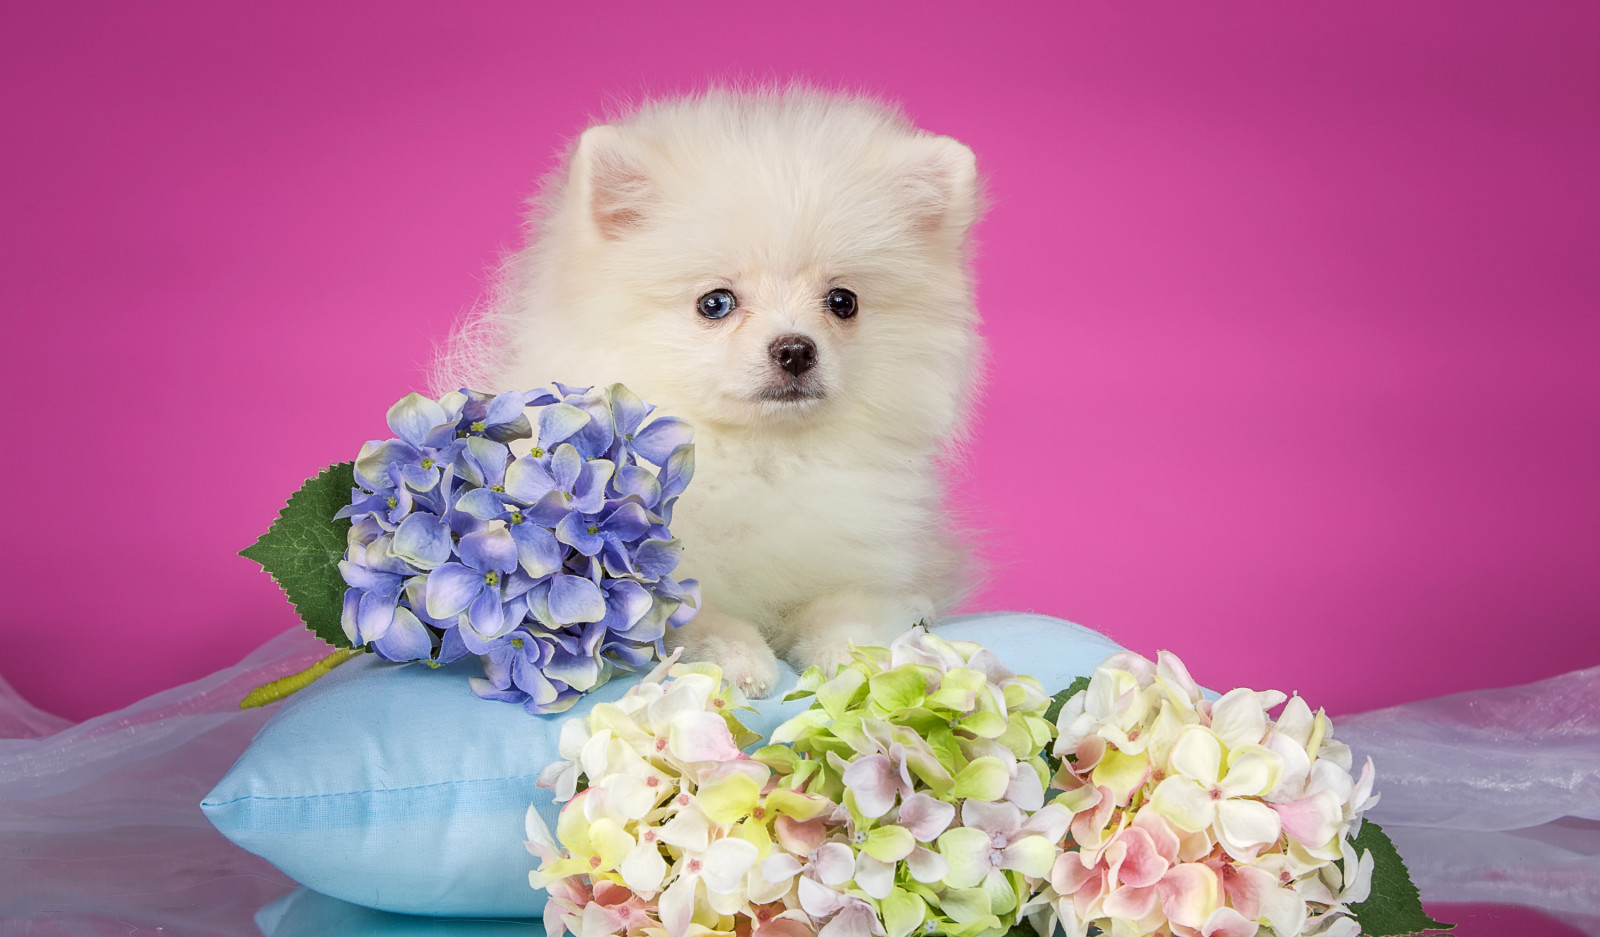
[(418, 478), (636, 481), (665, 435), (575, 670), (575, 599), (657, 558), (579, 533), (347, 616), (629, 655), (482, 503), (413, 416), (373, 466), (451, 648), (626, 602), (365, 578), (548, 510), (490, 459), (537, 550), (486, 615), (483, 689), (565, 466), (527, 480), (589, 491), (489, 550), (558, 422), (627, 522), (506, 410), (677, 471), (451, 588), (406, 639), (565, 697), (376, 612), (627, 411), (532, 681), (422, 540)]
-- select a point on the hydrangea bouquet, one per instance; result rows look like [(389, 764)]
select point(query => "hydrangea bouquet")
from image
[(541, 546), (928, 791)]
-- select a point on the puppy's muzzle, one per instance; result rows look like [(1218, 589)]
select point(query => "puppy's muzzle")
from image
[(793, 353)]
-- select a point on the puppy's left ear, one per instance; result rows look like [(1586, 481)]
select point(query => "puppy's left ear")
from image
[(943, 183)]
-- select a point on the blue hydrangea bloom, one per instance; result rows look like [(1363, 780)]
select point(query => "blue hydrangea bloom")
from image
[(528, 528)]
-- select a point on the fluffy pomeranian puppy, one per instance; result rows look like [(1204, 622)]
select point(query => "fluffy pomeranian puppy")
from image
[(789, 271)]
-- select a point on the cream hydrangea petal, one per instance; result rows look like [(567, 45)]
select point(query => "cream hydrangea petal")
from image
[(1237, 718), (611, 843), (780, 867), (1245, 826), (725, 862), (1198, 755), (1296, 766), (1253, 770), (632, 796), (1183, 803), (689, 829), (644, 870), (677, 905)]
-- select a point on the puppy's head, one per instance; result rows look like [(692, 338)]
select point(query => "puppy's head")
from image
[(762, 261)]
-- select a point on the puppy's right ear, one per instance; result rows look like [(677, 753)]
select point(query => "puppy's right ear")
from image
[(607, 180)]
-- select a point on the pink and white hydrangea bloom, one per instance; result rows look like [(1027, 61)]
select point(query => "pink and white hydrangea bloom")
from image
[(1202, 818)]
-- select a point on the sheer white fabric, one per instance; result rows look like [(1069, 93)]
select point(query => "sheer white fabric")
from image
[(1492, 796)]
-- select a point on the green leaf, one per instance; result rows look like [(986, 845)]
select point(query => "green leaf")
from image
[(1394, 907), (302, 550), (1060, 699)]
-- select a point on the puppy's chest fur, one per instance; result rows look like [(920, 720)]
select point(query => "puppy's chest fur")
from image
[(767, 528)]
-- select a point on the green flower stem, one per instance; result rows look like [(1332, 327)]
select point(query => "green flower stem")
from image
[(295, 682)]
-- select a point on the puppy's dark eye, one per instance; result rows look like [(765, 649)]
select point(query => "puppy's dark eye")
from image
[(842, 303), (716, 304)]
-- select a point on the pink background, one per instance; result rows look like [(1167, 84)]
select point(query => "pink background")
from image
[(1292, 310)]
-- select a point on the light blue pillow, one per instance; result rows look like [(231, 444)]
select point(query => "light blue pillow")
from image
[(395, 788), (305, 913)]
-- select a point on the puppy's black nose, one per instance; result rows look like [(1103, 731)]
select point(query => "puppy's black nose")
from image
[(794, 353)]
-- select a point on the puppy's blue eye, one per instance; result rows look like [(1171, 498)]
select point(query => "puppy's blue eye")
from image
[(716, 304), (842, 303)]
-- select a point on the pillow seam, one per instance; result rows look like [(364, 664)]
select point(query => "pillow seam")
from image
[(368, 791)]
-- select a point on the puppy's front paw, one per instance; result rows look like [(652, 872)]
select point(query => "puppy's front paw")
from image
[(829, 655), (753, 668), (746, 661), (821, 633)]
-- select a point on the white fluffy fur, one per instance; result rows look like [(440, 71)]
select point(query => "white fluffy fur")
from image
[(810, 523)]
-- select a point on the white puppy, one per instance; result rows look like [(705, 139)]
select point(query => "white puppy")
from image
[(789, 272)]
